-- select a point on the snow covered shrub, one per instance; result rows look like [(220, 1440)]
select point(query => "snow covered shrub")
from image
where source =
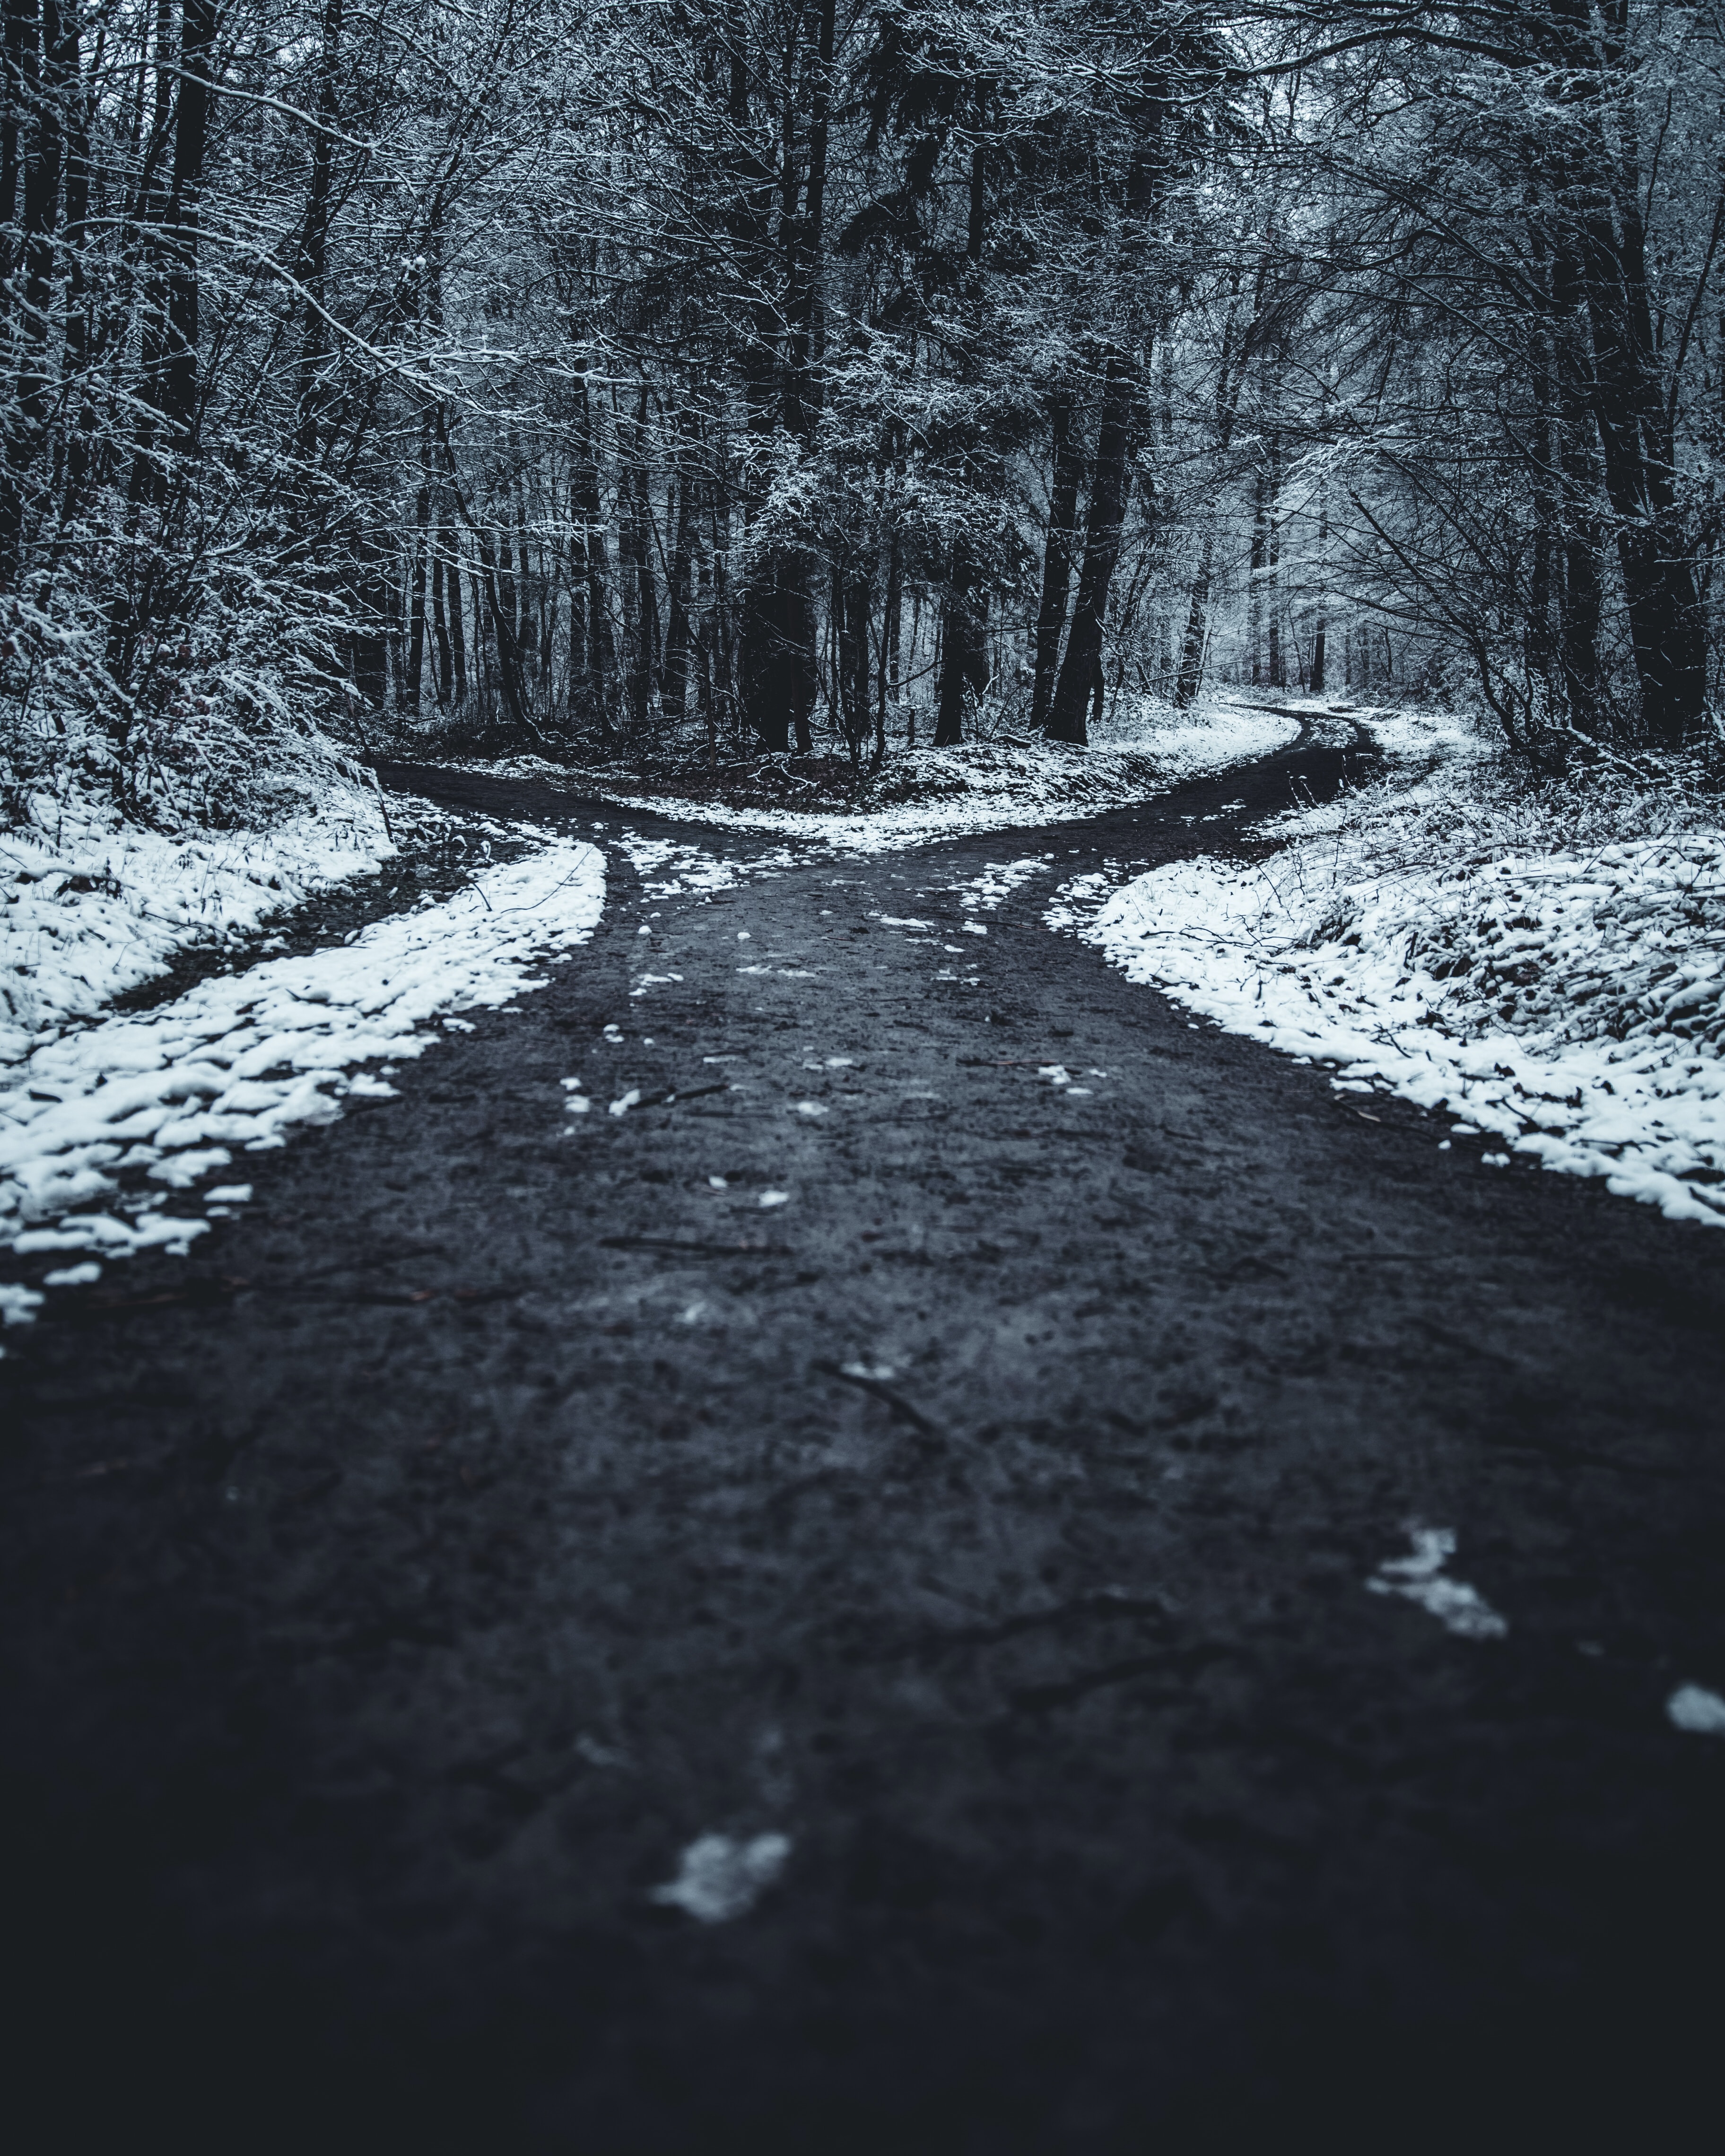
[(216, 728)]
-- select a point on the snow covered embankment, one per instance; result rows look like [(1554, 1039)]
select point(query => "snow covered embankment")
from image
[(241, 1059), (1572, 1005), (91, 907), (996, 785)]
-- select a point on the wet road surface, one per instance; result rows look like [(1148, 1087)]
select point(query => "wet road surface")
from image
[(513, 1498)]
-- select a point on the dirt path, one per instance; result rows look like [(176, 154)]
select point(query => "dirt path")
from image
[(503, 1505)]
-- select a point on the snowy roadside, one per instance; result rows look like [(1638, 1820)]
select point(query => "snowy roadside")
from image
[(91, 907), (128, 1111), (1554, 987), (984, 786)]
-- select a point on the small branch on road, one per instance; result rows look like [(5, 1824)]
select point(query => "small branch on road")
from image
[(888, 1398)]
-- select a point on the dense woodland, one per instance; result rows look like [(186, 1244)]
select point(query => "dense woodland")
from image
[(721, 377)]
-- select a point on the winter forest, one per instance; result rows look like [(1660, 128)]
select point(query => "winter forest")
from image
[(751, 378)]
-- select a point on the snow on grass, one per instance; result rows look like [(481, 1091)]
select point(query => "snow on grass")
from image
[(1426, 736), (1213, 738), (91, 907), (983, 786), (1473, 947), (243, 1059)]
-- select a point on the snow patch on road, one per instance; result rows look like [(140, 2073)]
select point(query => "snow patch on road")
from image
[(669, 868), (1692, 1708), (245, 1059), (999, 880), (1421, 1578), (720, 1878)]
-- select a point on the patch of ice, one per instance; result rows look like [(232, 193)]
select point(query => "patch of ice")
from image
[(880, 1373), (1421, 1577), (769, 1198), (18, 1305), (810, 1108), (84, 1275), (720, 1878), (624, 1102), (1699, 1711), (229, 1194)]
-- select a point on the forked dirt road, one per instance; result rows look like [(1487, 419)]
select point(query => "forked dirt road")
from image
[(492, 1513)]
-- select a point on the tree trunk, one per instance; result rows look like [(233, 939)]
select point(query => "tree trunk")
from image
[(1255, 583), (675, 691), (81, 447), (1583, 537), (1117, 434), (444, 669), (501, 611), (408, 688), (17, 58), (311, 268), (1101, 550), (1630, 397), (197, 38), (592, 566), (458, 628), (1066, 444), (1191, 673), (964, 661), (37, 103), (892, 629), (778, 658), (779, 676), (853, 607), (1276, 664)]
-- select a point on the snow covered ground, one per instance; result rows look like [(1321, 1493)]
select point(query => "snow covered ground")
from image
[(91, 907), (162, 1101), (1556, 988), (987, 786)]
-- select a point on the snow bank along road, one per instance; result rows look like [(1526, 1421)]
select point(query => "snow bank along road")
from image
[(952, 1562)]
